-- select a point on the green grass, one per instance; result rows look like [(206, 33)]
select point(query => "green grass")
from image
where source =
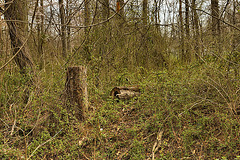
[(192, 105)]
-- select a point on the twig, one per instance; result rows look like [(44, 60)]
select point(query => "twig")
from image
[(14, 123), (3, 4), (157, 144), (191, 107), (120, 157), (85, 156), (44, 144), (4, 122)]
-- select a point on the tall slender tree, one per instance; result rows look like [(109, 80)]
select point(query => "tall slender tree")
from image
[(216, 30), (196, 29), (181, 32), (68, 23), (86, 15), (187, 28), (86, 23), (40, 31), (63, 27), (1, 39), (215, 18), (234, 41), (145, 12)]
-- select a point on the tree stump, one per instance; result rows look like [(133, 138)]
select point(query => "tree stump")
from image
[(125, 93), (76, 90)]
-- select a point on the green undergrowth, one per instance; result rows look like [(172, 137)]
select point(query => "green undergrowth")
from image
[(195, 107)]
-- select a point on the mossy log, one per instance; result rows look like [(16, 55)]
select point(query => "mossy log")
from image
[(76, 90), (125, 93)]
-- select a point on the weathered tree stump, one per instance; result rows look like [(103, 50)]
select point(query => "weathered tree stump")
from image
[(125, 93), (76, 90)]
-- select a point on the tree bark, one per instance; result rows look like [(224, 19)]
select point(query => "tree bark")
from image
[(188, 56), (76, 90), (216, 30), (1, 41), (68, 12), (86, 15), (40, 30), (234, 41), (215, 21), (145, 12), (63, 27), (86, 30), (183, 56), (16, 18), (196, 30)]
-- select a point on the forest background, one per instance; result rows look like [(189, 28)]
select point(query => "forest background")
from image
[(184, 55)]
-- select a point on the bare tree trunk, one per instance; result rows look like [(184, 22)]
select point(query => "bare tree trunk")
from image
[(216, 32), (63, 27), (188, 56), (156, 14), (86, 23), (234, 41), (196, 30), (68, 13), (16, 18), (183, 56), (1, 41), (40, 30), (86, 15), (215, 15), (145, 12), (234, 44)]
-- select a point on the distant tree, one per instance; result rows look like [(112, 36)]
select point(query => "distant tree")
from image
[(181, 31), (63, 27), (145, 12), (215, 16), (234, 44), (40, 32), (187, 28), (87, 23), (216, 30), (86, 15), (15, 15), (68, 23), (196, 29), (1, 40)]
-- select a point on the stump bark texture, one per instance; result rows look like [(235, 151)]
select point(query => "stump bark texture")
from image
[(76, 90)]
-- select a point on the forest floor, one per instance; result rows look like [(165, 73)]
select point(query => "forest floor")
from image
[(189, 112)]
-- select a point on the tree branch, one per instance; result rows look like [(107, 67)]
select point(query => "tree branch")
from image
[(229, 24)]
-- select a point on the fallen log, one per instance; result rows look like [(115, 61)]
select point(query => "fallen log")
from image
[(125, 93)]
